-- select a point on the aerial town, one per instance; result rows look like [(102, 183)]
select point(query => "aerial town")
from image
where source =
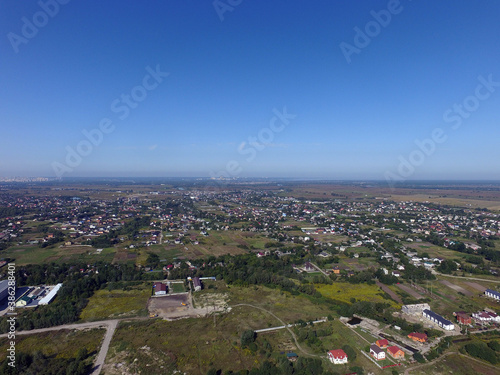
[(283, 277)]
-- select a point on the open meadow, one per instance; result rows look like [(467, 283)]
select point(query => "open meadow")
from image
[(117, 303), (346, 292), (61, 344)]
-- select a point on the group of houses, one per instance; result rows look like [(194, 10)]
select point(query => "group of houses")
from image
[(378, 353)]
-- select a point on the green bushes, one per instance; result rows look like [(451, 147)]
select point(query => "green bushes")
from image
[(482, 351)]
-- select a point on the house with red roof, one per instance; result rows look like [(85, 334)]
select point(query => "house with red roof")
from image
[(337, 356), (463, 318), (383, 343), (420, 337), (395, 352)]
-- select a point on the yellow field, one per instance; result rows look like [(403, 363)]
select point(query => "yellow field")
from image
[(362, 292)]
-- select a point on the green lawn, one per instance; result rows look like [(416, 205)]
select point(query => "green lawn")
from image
[(178, 287)]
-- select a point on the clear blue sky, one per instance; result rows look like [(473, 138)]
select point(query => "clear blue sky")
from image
[(354, 120)]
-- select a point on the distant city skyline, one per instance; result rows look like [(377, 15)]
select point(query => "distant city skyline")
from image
[(394, 90)]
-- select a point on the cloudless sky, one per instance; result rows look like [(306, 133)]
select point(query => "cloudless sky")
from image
[(228, 74)]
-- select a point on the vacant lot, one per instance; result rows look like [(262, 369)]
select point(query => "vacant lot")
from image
[(412, 292), (62, 344), (117, 303), (456, 287), (170, 307), (195, 345), (33, 254), (457, 365), (344, 292), (476, 286)]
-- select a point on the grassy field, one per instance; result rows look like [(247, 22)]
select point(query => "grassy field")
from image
[(457, 365), (117, 303), (447, 300), (32, 254), (178, 288), (194, 346), (62, 344), (343, 292)]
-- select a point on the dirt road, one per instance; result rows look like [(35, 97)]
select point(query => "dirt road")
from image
[(99, 362), (110, 326), (386, 289)]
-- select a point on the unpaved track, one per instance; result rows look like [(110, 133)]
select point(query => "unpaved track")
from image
[(110, 326)]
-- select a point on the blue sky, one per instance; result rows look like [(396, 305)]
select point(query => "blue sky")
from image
[(231, 70)]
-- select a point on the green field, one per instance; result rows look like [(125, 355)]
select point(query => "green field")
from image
[(342, 291), (456, 364), (33, 254), (194, 346), (117, 303), (178, 287), (61, 344)]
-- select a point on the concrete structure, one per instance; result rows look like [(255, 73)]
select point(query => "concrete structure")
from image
[(492, 294), (438, 319), (416, 309), (49, 297), (337, 356), (376, 352)]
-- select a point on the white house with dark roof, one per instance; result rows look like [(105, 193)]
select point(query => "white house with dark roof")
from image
[(377, 352), (492, 294)]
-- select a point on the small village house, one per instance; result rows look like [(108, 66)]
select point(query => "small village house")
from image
[(382, 343), (395, 352), (377, 352), (337, 356), (419, 337)]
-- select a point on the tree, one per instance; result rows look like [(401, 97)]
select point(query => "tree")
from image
[(351, 353), (419, 357), (247, 337)]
